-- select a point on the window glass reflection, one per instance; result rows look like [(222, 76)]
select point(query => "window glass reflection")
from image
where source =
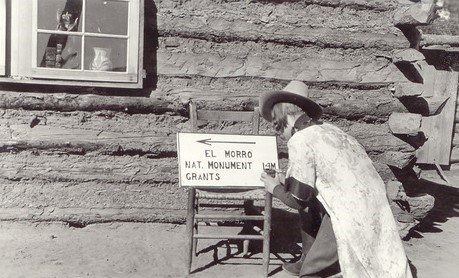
[(61, 15), (105, 54), (107, 17), (59, 51)]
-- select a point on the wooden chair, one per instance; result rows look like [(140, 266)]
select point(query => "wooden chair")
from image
[(247, 197)]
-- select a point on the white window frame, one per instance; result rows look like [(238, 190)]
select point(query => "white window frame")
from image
[(24, 34)]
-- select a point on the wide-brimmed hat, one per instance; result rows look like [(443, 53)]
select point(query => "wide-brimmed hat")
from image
[(296, 92)]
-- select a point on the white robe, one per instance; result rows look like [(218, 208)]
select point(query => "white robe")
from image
[(354, 195)]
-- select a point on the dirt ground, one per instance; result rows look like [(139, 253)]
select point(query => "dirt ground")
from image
[(157, 250)]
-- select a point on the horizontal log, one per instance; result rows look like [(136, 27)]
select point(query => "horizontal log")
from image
[(131, 175), (408, 89), (100, 168), (278, 52), (174, 94), (367, 5), (384, 170), (154, 135), (323, 23), (445, 48), (345, 103), (86, 216), (167, 148), (82, 216), (81, 140), (95, 195), (430, 39), (93, 201), (78, 102), (409, 55), (405, 123), (115, 140), (216, 28), (299, 68), (112, 175), (400, 160), (97, 121), (377, 138)]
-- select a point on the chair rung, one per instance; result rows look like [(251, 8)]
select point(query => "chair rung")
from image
[(226, 197), (252, 237), (229, 217), (255, 194), (219, 205)]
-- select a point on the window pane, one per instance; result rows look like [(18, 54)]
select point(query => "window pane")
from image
[(107, 17), (63, 15), (59, 51), (105, 54)]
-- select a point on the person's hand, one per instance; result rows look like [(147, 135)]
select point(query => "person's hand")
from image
[(281, 176), (270, 182)]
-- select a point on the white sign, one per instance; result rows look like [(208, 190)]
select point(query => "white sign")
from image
[(225, 160)]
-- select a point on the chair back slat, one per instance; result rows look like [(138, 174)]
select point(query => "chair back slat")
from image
[(193, 117), (236, 116), (197, 116), (256, 121)]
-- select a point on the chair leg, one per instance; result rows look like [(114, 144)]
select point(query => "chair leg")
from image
[(245, 247), (267, 232), (190, 226), (195, 227), (248, 210)]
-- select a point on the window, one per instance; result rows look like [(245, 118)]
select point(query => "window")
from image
[(85, 42)]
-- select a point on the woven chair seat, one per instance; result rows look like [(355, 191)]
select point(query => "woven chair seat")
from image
[(254, 194)]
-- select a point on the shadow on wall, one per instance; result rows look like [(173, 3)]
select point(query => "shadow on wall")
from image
[(151, 44), (419, 105), (443, 60)]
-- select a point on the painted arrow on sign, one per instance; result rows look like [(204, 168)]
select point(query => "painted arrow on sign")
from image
[(209, 142)]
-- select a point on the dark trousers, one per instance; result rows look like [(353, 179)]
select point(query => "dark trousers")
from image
[(320, 253)]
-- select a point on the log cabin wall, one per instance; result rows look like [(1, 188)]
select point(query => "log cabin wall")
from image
[(88, 155)]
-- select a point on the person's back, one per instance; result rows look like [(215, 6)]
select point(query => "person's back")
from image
[(353, 194), (339, 160)]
